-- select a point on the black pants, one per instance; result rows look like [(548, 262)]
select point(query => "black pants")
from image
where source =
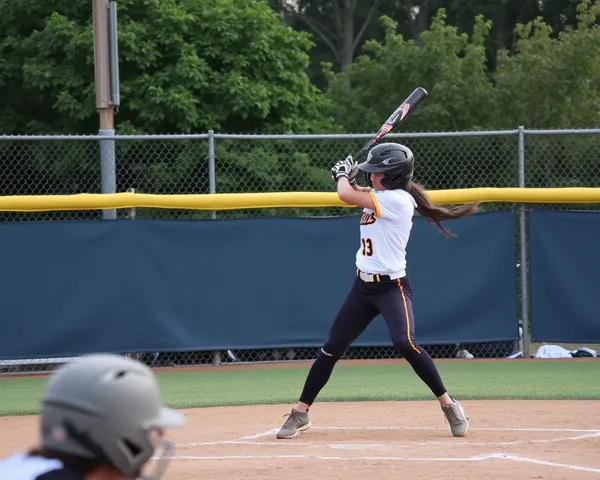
[(365, 300)]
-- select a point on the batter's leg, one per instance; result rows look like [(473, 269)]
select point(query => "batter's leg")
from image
[(395, 305), (352, 319)]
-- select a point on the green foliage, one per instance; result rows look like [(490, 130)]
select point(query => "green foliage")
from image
[(482, 380), (185, 66), (547, 82), (232, 66), (270, 166), (553, 82), (449, 65)]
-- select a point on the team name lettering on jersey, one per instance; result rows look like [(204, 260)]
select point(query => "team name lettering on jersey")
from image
[(367, 218)]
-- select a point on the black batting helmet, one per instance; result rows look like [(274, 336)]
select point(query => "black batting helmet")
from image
[(395, 161)]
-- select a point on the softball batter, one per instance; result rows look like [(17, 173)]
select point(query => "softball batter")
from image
[(381, 285)]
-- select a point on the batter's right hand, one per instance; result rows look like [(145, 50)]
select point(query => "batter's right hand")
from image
[(343, 168), (353, 171)]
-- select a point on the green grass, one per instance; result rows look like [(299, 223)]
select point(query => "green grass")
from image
[(571, 379)]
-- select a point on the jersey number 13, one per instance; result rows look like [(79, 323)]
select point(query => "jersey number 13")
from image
[(367, 247)]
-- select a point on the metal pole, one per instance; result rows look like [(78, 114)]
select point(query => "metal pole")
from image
[(523, 244), (108, 170), (132, 210), (212, 181), (212, 188), (103, 100), (132, 216)]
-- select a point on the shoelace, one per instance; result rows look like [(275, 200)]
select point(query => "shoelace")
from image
[(293, 419), (452, 416)]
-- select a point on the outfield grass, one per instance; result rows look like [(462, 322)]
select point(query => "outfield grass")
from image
[(571, 379)]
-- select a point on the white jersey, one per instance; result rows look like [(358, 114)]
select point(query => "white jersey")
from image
[(385, 232), (21, 466)]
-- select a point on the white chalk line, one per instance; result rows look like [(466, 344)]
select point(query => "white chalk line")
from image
[(477, 458), (260, 435), (248, 440), (252, 440), (487, 429), (330, 457), (367, 446), (535, 461)]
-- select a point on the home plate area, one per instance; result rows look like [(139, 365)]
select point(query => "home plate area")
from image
[(393, 440)]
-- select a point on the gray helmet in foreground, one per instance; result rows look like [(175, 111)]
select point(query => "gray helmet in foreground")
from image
[(395, 161), (107, 408)]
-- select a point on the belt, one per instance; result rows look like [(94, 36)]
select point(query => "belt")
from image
[(375, 277)]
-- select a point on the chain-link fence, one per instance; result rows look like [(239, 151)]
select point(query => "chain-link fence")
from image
[(49, 166), (224, 163), (228, 357)]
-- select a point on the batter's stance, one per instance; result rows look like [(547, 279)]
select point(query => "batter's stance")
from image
[(381, 285)]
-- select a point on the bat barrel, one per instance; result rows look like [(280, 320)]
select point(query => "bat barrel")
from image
[(405, 108)]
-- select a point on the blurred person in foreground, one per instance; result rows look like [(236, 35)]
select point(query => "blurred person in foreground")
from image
[(102, 418)]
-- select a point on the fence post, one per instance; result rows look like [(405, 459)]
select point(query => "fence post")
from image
[(212, 181), (212, 188), (108, 169), (102, 30), (132, 211), (523, 245)]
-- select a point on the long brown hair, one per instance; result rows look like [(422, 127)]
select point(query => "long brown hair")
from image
[(435, 214)]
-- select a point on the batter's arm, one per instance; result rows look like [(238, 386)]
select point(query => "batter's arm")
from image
[(360, 189), (360, 198)]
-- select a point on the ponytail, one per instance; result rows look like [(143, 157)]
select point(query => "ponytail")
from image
[(435, 214)]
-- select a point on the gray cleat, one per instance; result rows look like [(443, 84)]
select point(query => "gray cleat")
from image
[(297, 422), (455, 415)]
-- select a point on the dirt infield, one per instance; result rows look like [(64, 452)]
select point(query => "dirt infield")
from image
[(389, 440)]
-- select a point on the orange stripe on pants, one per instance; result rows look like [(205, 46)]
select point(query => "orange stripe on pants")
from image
[(408, 335)]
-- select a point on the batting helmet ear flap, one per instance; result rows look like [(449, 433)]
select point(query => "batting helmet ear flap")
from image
[(393, 181)]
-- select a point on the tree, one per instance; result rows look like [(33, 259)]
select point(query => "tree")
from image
[(185, 66), (449, 65), (553, 81), (340, 25)]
